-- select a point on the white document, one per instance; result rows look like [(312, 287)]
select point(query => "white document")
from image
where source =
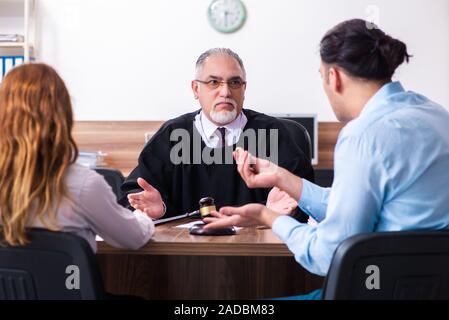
[(189, 225)]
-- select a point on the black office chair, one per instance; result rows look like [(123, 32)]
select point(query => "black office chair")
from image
[(37, 271), (410, 265), (299, 135), (324, 177), (114, 178)]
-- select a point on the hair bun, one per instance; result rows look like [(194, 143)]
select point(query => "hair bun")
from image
[(363, 52), (394, 52)]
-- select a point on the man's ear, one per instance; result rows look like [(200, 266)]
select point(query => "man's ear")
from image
[(195, 89), (335, 80)]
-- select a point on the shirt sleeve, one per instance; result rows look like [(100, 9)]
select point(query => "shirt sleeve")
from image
[(353, 206), (314, 200), (118, 226)]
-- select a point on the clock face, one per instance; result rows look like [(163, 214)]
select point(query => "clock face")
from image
[(226, 15)]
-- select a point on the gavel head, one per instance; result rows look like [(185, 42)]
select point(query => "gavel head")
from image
[(207, 205)]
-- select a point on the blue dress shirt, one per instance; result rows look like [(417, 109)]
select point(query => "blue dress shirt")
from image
[(391, 173)]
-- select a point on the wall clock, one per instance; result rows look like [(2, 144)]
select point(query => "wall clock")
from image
[(226, 16)]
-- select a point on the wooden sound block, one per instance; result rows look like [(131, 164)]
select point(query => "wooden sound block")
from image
[(199, 230)]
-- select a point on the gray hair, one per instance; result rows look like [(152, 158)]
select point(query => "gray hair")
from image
[(218, 51)]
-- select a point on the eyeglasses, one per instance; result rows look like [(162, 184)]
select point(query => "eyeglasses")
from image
[(232, 84)]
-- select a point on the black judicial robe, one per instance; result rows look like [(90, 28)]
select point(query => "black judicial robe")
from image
[(183, 185)]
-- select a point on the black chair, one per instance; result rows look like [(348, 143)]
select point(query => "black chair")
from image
[(38, 270), (324, 177), (114, 178), (410, 265), (299, 135)]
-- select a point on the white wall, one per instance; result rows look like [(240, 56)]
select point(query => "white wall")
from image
[(134, 59), (11, 16), (11, 22)]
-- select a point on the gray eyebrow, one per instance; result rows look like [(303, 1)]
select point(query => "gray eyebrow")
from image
[(220, 78)]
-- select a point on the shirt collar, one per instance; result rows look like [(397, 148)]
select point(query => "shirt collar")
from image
[(381, 96)]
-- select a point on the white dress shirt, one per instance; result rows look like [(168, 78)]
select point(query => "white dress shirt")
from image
[(95, 211), (211, 135)]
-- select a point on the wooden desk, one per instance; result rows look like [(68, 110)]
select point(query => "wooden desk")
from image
[(176, 265)]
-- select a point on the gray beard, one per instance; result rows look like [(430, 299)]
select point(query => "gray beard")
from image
[(223, 117)]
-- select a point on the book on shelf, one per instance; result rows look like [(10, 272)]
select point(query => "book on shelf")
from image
[(7, 37), (91, 159), (9, 62)]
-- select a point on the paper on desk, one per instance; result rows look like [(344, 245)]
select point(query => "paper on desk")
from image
[(191, 224), (98, 238)]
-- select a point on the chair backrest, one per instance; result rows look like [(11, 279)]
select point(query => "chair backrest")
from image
[(299, 135), (114, 178), (390, 265), (324, 177), (49, 268)]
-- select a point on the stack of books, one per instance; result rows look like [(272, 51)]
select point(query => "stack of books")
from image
[(91, 159), (11, 38)]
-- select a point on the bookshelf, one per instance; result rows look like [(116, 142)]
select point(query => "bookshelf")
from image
[(18, 17)]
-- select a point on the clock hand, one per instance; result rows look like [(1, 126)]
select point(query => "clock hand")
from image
[(226, 13)]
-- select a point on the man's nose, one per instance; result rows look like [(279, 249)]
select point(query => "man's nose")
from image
[(225, 91)]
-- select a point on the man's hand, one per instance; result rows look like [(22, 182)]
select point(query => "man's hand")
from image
[(148, 201), (280, 201), (260, 173), (257, 173), (246, 216)]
